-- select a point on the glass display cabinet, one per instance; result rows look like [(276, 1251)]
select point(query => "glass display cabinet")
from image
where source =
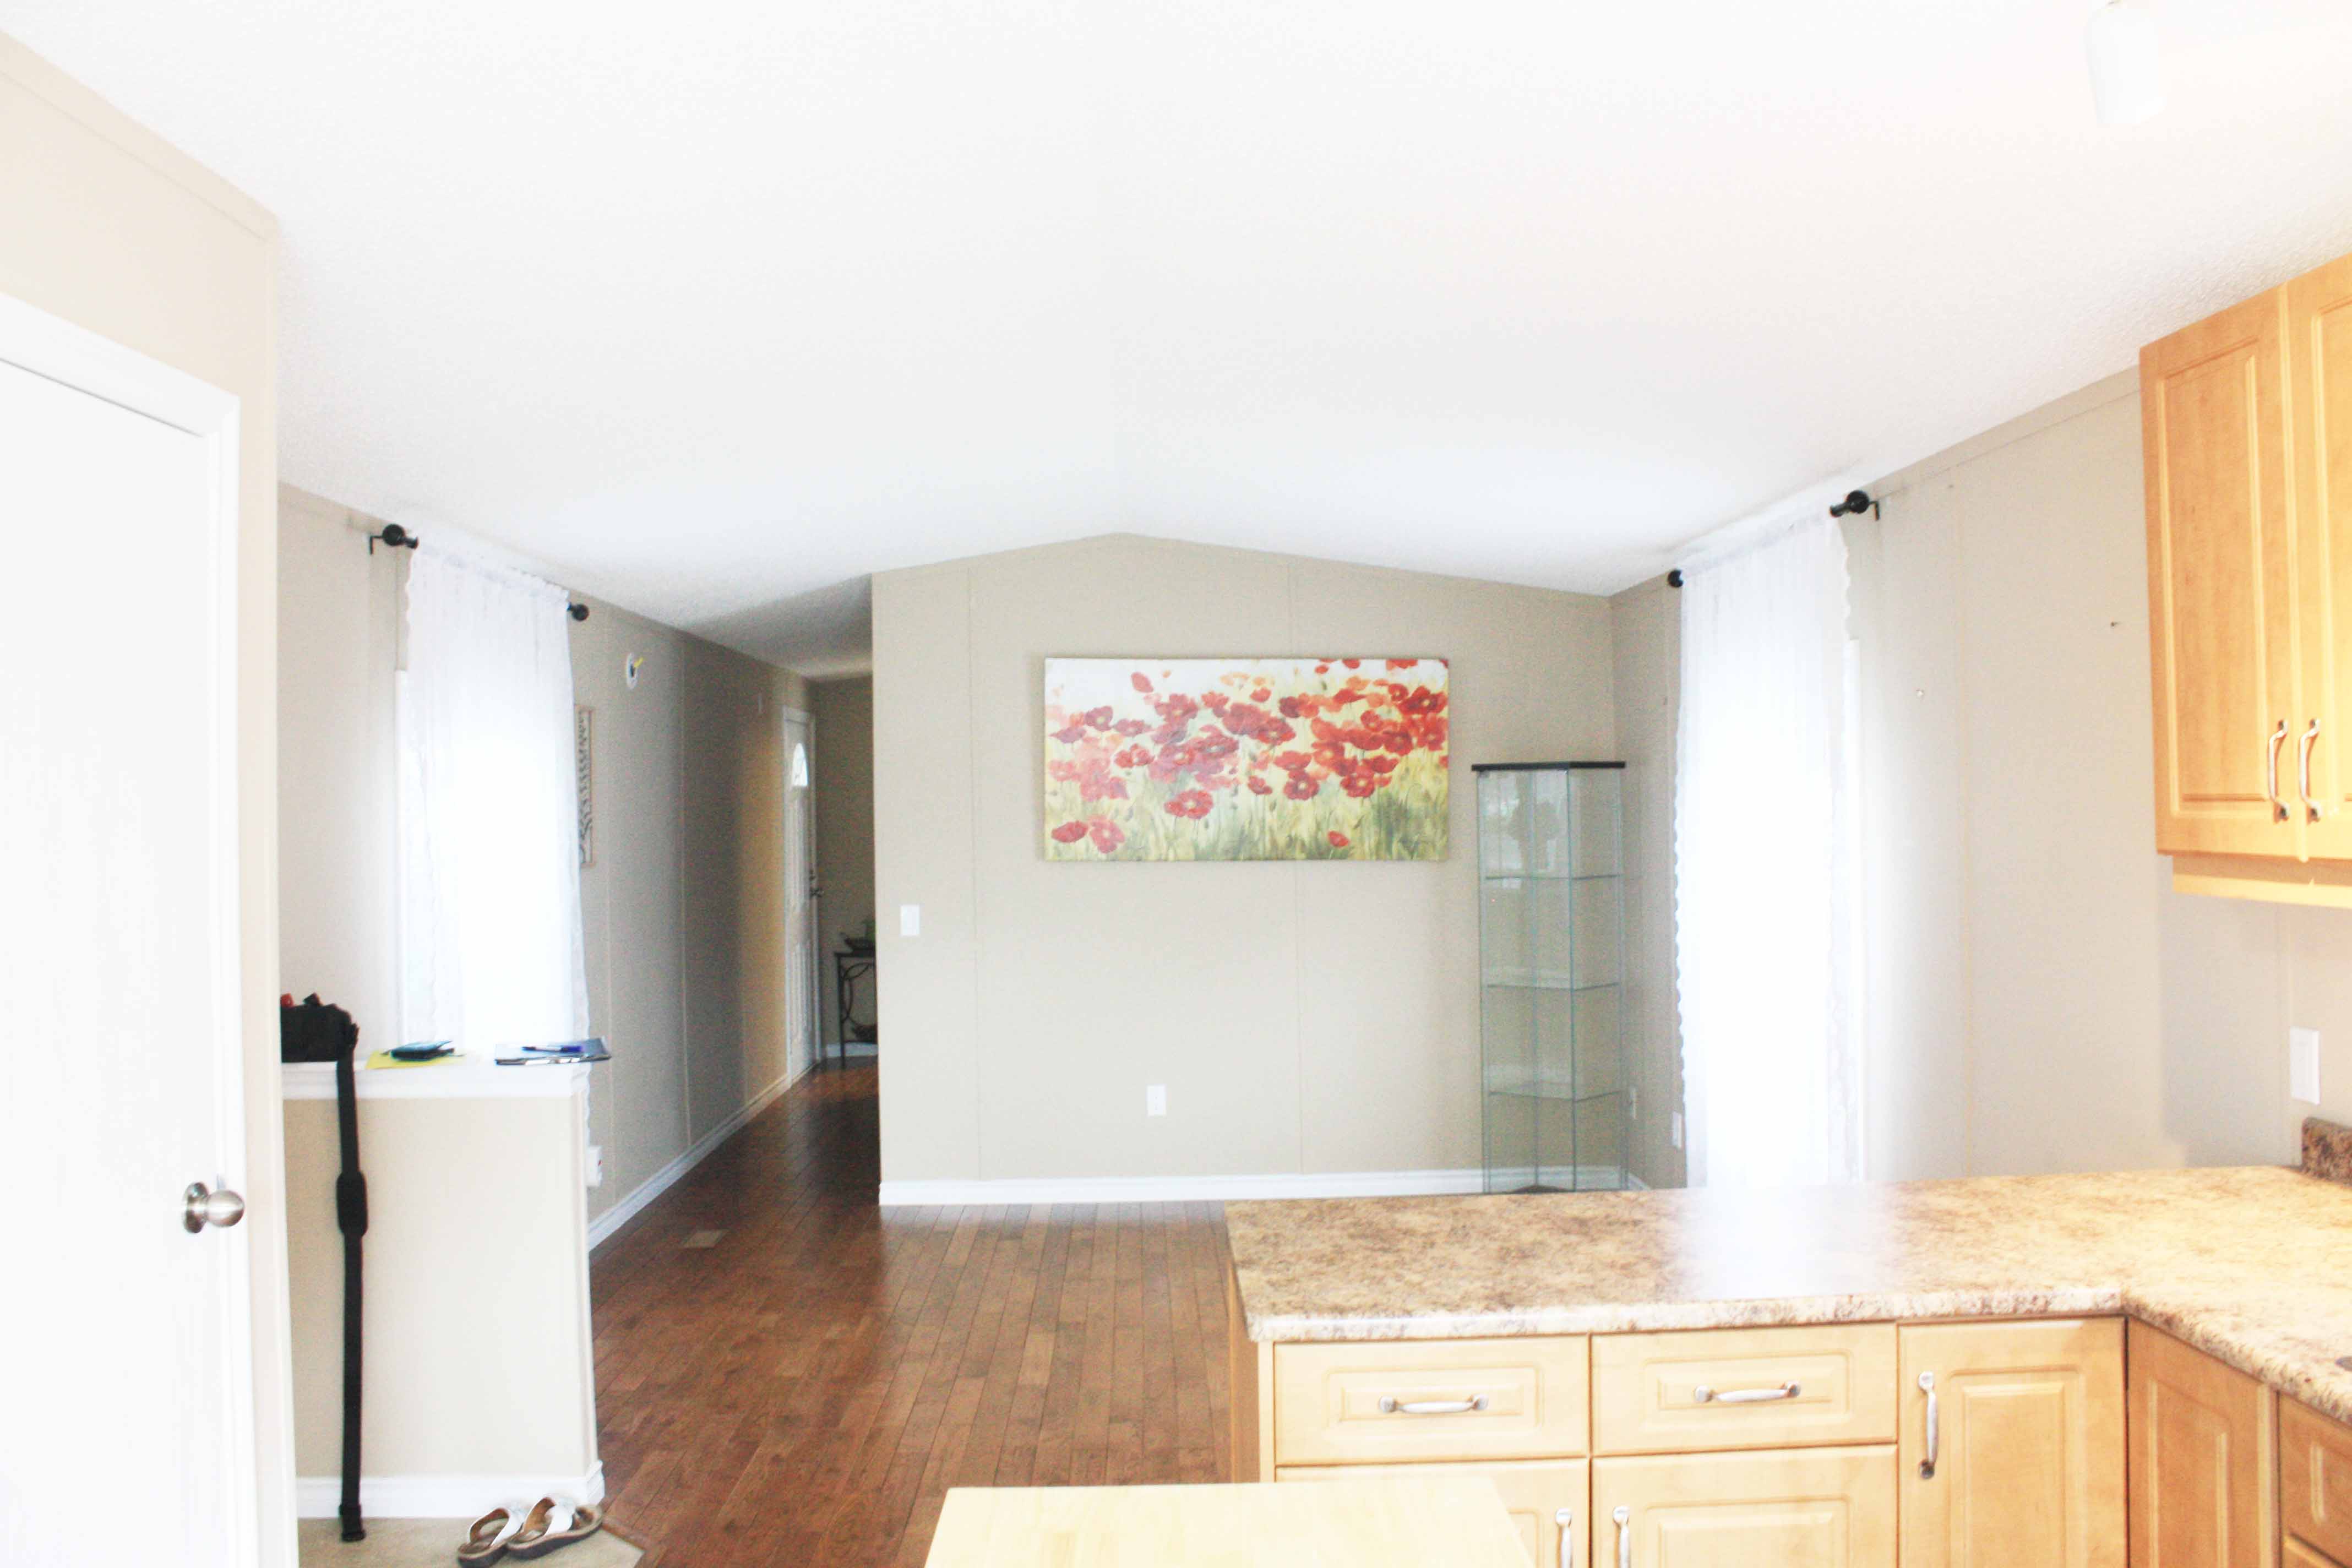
[(1551, 944)]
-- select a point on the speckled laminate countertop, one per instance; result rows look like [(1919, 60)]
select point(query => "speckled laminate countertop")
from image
[(2253, 1266)]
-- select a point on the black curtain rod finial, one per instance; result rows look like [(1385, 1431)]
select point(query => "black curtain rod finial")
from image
[(395, 537), (577, 612), (1675, 578), (1856, 502)]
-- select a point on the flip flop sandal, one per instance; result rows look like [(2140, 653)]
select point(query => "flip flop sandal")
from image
[(487, 1541), (535, 1539)]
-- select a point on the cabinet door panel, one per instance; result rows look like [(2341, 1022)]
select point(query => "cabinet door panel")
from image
[(2319, 363), (2203, 1472), (1809, 1508), (2030, 1457), (2315, 1477), (2221, 582), (1534, 1495)]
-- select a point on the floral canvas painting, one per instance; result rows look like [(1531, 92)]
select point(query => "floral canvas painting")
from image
[(1260, 758)]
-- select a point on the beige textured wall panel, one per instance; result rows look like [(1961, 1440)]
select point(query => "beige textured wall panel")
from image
[(923, 851), (1095, 981), (1645, 628), (1303, 1016), (843, 715), (1388, 953), (446, 1393), (104, 225)]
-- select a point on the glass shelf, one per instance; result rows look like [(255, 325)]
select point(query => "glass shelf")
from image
[(1551, 919)]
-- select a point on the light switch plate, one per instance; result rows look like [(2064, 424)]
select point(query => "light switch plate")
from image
[(1155, 1099), (911, 920), (596, 1165), (1676, 1126), (2303, 1065)]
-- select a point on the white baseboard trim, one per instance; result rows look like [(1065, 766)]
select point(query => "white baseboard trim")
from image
[(1196, 1189), (661, 1181), (856, 1049), (442, 1496), (1182, 1189)]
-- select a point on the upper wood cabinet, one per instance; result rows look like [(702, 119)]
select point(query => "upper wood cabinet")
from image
[(2221, 564), (2013, 1445), (2204, 1473), (2247, 423)]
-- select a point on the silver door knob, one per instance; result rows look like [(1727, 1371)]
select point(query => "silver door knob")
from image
[(223, 1208)]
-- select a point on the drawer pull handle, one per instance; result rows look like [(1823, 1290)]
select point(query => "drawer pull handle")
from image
[(1624, 1518), (1927, 1463), (1390, 1406), (1703, 1395), (2270, 779), (2303, 763), (1566, 1520)]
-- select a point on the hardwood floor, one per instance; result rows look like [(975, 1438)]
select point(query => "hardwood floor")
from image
[(806, 1387)]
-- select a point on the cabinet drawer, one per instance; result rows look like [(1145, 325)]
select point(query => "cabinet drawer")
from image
[(1743, 1388), (2315, 1478), (1536, 1494), (1388, 1401), (1820, 1508)]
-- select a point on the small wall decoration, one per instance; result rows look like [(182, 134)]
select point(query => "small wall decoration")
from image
[(1247, 759), (583, 773)]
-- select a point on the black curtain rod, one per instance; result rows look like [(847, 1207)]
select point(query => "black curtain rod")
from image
[(395, 537), (1856, 502)]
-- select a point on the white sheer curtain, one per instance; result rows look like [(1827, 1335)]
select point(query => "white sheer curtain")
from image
[(491, 952), (1766, 883)]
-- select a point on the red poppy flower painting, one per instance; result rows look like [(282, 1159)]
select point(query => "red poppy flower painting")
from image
[(1152, 759)]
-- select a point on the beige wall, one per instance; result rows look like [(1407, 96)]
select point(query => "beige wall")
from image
[(844, 711), (474, 1355), (2040, 998), (683, 914), (1305, 1017), (104, 224), (1645, 624)]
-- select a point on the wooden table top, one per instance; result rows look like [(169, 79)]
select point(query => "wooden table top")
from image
[(1390, 1522)]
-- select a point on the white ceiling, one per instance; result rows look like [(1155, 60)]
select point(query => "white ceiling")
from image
[(714, 307)]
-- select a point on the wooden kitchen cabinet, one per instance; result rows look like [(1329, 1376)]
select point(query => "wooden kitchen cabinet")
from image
[(2221, 582), (1794, 1508), (2318, 314), (1547, 1502), (2247, 441), (2012, 1444), (2316, 1480), (2203, 1466)]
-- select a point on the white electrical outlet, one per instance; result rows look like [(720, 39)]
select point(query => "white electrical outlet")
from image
[(2303, 1065), (596, 1165), (1155, 1099), (911, 920), (1675, 1129)]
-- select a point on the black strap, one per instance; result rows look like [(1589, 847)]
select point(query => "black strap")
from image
[(352, 1218)]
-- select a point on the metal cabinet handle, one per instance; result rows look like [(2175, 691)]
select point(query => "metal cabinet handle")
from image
[(1566, 1520), (2278, 807), (1927, 1464), (1703, 1395), (2309, 805), (1390, 1406), (1624, 1518)]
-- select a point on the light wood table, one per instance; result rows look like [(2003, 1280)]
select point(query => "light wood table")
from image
[(1393, 1522)]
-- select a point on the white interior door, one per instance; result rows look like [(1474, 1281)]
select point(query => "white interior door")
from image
[(126, 1393), (801, 997)]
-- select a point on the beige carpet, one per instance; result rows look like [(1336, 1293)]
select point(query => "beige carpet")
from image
[(432, 1544)]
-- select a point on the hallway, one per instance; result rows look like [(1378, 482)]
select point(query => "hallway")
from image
[(804, 1387)]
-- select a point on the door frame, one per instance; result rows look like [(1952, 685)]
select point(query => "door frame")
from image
[(813, 1004), (80, 359)]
